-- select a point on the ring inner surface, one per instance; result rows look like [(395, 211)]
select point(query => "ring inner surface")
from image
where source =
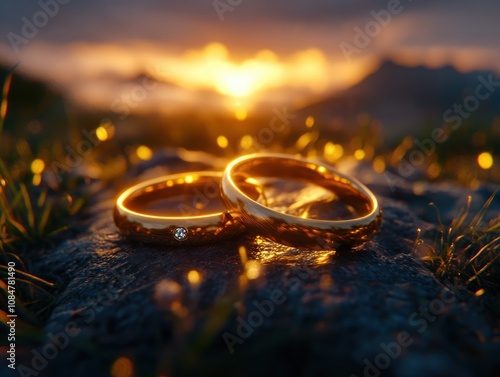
[(300, 189), (181, 197)]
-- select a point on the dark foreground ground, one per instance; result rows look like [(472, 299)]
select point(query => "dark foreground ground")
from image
[(379, 311)]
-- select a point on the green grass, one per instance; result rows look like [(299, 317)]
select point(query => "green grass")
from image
[(467, 252), (31, 215)]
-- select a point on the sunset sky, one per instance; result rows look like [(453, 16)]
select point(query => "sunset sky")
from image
[(251, 52)]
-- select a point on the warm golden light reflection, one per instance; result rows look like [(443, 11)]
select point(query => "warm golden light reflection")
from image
[(246, 142), (167, 293), (240, 114), (325, 257), (309, 121), (144, 153), (37, 166), (37, 179), (485, 160), (122, 367), (243, 254), (222, 141), (480, 292), (181, 79), (253, 269), (379, 164), (303, 141), (434, 170), (359, 154), (102, 133), (333, 152), (194, 277)]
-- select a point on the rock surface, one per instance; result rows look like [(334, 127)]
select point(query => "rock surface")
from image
[(376, 311)]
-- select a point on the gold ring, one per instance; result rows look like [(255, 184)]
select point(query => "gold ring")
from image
[(300, 229), (180, 209)]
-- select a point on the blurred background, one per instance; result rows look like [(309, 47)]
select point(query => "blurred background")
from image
[(365, 82), (402, 94)]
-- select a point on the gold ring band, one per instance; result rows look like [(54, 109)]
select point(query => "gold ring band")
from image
[(310, 233), (197, 214)]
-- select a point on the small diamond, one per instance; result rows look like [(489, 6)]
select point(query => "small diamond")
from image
[(180, 234)]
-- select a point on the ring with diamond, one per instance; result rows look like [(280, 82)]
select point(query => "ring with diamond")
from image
[(180, 209), (299, 220)]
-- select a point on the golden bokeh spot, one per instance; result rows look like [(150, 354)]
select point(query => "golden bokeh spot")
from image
[(222, 141), (189, 179), (241, 114), (37, 179), (144, 153), (434, 170), (246, 142), (122, 367), (215, 51), (305, 139), (379, 164), (37, 166), (485, 160), (253, 269), (333, 151), (309, 121), (480, 292), (194, 277), (102, 133), (243, 254), (359, 154)]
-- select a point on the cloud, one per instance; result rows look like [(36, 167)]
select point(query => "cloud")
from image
[(88, 40)]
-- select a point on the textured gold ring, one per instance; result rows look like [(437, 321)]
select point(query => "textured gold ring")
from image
[(361, 223), (180, 209)]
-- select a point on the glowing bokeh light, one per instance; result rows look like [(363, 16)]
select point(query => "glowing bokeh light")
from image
[(144, 153), (309, 121), (333, 151), (253, 269), (485, 160), (122, 367), (379, 164), (241, 113), (37, 166), (222, 141), (359, 154), (194, 277), (102, 133), (246, 142)]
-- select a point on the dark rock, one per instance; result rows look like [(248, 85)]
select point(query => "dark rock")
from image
[(340, 315)]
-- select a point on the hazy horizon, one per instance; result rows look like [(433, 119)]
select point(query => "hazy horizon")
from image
[(236, 58)]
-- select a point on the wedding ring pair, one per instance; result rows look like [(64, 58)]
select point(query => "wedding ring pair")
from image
[(292, 201)]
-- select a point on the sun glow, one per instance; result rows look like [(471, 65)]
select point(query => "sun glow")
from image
[(182, 79)]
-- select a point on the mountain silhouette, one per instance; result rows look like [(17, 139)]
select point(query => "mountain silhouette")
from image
[(406, 100)]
